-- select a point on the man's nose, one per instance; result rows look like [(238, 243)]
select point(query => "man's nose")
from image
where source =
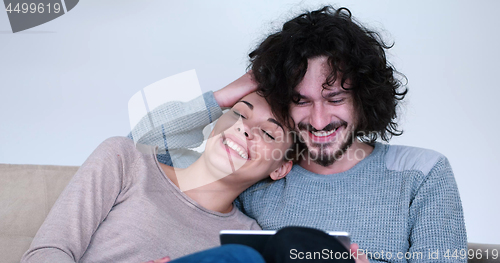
[(318, 117)]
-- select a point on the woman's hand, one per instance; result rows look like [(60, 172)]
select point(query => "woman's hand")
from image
[(358, 258), (161, 260), (230, 94)]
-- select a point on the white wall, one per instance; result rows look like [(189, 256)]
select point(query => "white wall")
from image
[(64, 86)]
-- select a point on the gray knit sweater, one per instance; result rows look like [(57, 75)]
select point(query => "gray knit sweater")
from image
[(400, 204), (398, 199)]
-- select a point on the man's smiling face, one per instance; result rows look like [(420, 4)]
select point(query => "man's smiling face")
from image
[(325, 118)]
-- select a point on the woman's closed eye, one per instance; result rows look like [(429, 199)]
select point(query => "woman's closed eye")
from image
[(239, 114), (268, 135)]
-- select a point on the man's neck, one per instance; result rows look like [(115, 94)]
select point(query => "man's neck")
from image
[(354, 154)]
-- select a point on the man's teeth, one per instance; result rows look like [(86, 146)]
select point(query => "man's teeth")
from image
[(235, 147), (323, 133)]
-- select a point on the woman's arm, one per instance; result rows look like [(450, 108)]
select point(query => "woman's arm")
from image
[(175, 126), (81, 207)]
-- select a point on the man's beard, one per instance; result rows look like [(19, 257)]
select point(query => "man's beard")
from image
[(326, 158), (323, 156)]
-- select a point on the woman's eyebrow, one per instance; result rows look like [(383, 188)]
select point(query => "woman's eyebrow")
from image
[(247, 103), (276, 122)]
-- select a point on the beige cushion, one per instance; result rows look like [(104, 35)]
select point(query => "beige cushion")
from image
[(27, 192)]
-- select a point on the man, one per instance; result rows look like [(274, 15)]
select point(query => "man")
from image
[(330, 75)]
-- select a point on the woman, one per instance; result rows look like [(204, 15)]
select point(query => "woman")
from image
[(124, 206)]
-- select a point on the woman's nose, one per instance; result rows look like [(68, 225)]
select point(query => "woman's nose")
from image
[(245, 131)]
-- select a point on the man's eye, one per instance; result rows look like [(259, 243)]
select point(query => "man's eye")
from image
[(239, 114), (268, 135), (301, 102), (336, 101)]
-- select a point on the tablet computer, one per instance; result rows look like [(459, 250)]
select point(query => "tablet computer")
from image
[(257, 239)]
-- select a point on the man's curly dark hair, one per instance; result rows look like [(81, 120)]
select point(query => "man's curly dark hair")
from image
[(355, 54)]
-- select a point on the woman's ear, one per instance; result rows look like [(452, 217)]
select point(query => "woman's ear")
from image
[(281, 171)]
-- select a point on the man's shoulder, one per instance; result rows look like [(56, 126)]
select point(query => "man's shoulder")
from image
[(404, 158)]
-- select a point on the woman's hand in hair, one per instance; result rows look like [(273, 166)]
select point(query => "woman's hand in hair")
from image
[(230, 94)]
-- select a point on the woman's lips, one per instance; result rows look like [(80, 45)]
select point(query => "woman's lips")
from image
[(233, 147)]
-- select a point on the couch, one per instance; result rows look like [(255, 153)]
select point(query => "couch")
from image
[(27, 192)]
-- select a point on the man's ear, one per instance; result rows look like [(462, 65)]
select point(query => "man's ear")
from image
[(281, 171)]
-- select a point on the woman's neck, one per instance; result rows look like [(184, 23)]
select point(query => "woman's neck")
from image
[(205, 185)]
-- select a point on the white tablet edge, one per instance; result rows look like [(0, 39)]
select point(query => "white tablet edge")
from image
[(272, 232)]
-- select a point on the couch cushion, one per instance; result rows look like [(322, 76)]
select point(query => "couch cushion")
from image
[(27, 192)]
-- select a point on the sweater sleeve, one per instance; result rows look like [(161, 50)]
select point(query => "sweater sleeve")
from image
[(82, 206), (175, 126), (437, 227)]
